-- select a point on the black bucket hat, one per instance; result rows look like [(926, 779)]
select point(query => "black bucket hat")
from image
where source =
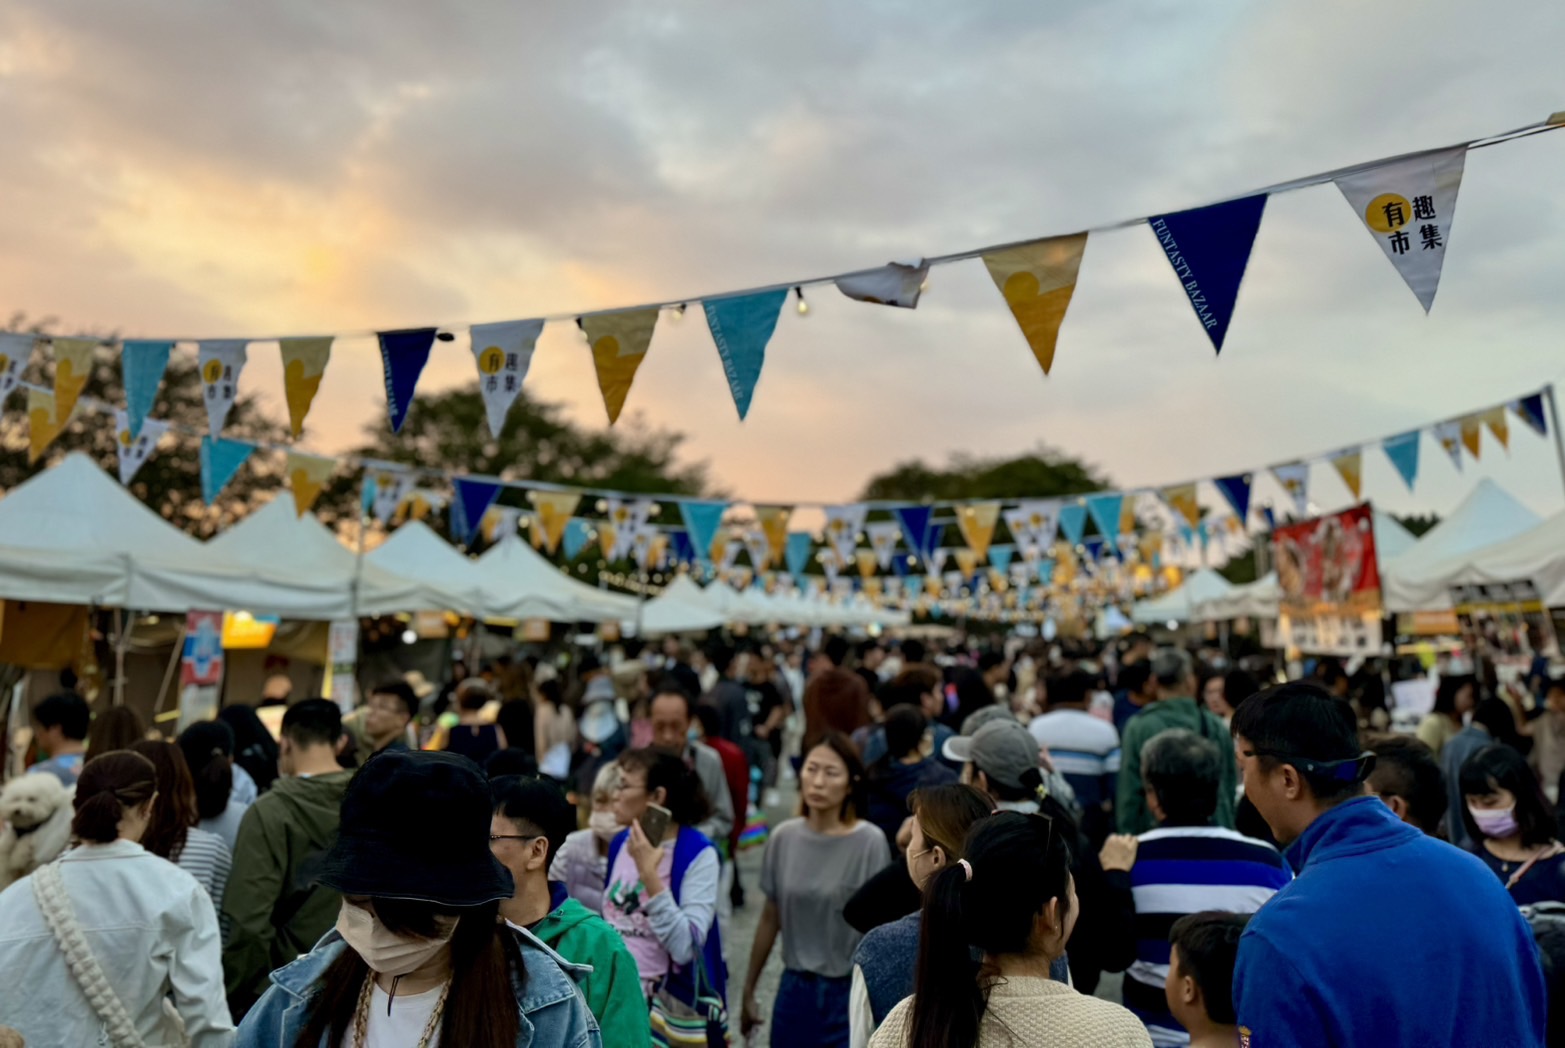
[(415, 826)]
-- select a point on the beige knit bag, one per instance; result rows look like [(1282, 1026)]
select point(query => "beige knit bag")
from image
[(60, 916)]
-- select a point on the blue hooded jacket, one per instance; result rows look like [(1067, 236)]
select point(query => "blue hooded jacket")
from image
[(1387, 937)]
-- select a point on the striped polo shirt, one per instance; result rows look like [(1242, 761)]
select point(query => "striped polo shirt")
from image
[(1181, 870), (1084, 749)]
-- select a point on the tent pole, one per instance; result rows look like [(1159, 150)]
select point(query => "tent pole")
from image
[(121, 642), (1554, 418)]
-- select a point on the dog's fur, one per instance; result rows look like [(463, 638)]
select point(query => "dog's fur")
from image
[(36, 810)]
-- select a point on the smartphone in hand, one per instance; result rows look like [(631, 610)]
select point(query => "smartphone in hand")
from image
[(655, 822)]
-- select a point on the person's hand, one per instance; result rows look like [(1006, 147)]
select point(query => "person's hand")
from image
[(1119, 852), (646, 856), (750, 1016), (905, 834), (763, 731)]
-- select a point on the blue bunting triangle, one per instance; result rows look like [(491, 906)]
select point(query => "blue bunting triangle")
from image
[(1530, 410), (1073, 522), (1105, 511), (142, 364), (220, 460), (915, 527), (1000, 556), (403, 354), (679, 547), (796, 554), (473, 499), (1236, 490), (1402, 450), (701, 522), (1045, 571), (575, 538), (1209, 248), (741, 327)]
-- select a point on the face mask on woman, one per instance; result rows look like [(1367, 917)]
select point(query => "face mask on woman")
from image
[(384, 950), (1494, 822), (604, 825)]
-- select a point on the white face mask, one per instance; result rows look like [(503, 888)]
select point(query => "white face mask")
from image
[(385, 951), (604, 825)]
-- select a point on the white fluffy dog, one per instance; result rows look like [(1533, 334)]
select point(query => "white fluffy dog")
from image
[(37, 812)]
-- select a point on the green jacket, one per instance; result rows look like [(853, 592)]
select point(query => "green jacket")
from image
[(613, 990), (1131, 812), (273, 912)]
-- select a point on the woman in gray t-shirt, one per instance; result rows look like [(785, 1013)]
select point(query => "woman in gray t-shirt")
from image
[(812, 866)]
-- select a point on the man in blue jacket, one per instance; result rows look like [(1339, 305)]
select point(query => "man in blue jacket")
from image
[(1386, 937)]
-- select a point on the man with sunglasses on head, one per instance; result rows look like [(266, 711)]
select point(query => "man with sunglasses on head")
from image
[(1386, 936)]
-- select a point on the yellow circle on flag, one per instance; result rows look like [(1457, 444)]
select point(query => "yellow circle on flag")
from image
[(5, 362), (491, 360), (1388, 213), (125, 437), (213, 371)]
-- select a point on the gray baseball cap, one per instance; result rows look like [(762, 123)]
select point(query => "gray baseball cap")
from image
[(1002, 749)]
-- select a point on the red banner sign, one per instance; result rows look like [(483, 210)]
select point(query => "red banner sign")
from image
[(1327, 566)]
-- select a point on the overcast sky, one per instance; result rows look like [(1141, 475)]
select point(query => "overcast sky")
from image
[(184, 169)]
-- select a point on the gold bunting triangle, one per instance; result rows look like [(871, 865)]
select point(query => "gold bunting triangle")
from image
[(1495, 419), (977, 524), (1472, 433), (1038, 280), (619, 344), (1182, 499), (43, 424), (307, 476), (867, 561), (72, 369), (1350, 467), (304, 364), (554, 509), (774, 525)]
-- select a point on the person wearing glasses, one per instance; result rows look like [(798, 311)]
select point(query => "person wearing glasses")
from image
[(1386, 936)]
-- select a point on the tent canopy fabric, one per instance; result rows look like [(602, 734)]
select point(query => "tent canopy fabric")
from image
[(518, 583), (416, 552), (1258, 599), (1179, 604), (1487, 516), (681, 608), (1537, 554)]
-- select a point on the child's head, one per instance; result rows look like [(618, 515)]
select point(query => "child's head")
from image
[(1200, 985)]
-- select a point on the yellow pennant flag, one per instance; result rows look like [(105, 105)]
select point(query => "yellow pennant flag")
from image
[(1472, 432), (607, 535), (873, 587), (719, 548), (1037, 280), (932, 584), (307, 476), (868, 562), (304, 362), (1183, 500), (554, 509), (619, 343), (1495, 419), (997, 580), (72, 369), (43, 424), (774, 525), (966, 561), (977, 525), (1350, 467), (1151, 546)]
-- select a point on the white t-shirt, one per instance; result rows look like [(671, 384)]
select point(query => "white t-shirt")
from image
[(404, 1026)]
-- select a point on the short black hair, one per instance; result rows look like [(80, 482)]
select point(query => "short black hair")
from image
[(313, 722), (535, 805), (1503, 767), (711, 720), (904, 727), (399, 689), (990, 659), (1303, 721), (67, 711), (912, 650), (867, 646), (721, 655), (1185, 771), (1406, 768), (899, 692), (836, 649), (675, 692), (1133, 677), (1208, 945), (1068, 689), (510, 761)]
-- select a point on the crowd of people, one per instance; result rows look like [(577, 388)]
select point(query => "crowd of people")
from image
[(544, 851)]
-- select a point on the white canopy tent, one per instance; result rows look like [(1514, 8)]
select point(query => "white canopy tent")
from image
[(1259, 599), (518, 583), (416, 552), (1391, 538), (680, 608), (1180, 604), (1487, 516), (1537, 554)]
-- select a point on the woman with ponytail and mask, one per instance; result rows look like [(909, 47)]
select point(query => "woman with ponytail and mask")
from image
[(419, 958), (1011, 902), (112, 945), (1511, 826)]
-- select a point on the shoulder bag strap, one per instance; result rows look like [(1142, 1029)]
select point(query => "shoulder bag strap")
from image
[(1547, 852), (55, 906)]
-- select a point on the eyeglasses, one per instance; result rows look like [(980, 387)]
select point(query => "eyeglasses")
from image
[(514, 837), (1350, 769)]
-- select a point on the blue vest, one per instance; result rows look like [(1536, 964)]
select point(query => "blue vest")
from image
[(682, 979)]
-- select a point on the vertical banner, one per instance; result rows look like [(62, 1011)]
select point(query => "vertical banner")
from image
[(976, 522), (1236, 490), (220, 361), (894, 284), (1073, 521), (1106, 512), (554, 509), (883, 540), (72, 368), (220, 460), (304, 364), (619, 344), (741, 327), (44, 423), (1295, 480), (774, 525), (701, 523), (1407, 206), (1449, 434), (1350, 467), (15, 352), (142, 364), (1330, 580), (1209, 248), (503, 353), (342, 652), (1037, 281), (403, 355), (134, 451), (307, 477), (760, 550), (500, 522), (201, 665), (1402, 450), (966, 561)]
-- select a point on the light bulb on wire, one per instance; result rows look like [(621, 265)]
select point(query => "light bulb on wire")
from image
[(804, 307)]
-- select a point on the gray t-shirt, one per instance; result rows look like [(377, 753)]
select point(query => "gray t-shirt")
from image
[(811, 876)]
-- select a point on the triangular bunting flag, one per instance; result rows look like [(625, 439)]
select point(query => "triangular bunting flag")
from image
[(701, 522), (43, 424), (610, 539), (1236, 490), (15, 352), (1449, 434), (1402, 450), (619, 344), (914, 521), (1000, 556), (220, 460), (304, 364), (142, 364), (759, 548), (503, 352), (385, 490), (1209, 248), (1407, 206), (883, 540), (1471, 429), (1295, 480), (1106, 512), (933, 537), (72, 369), (774, 525), (504, 521), (649, 549), (1045, 570), (472, 501), (403, 355), (966, 561), (798, 552), (1037, 281), (1495, 419), (976, 522), (1531, 411), (220, 361), (1181, 498), (307, 476), (894, 284), (1034, 523), (679, 543), (1073, 521), (135, 451), (866, 562), (575, 538), (874, 587), (935, 559), (843, 524), (554, 509), (742, 326), (725, 551), (1350, 467)]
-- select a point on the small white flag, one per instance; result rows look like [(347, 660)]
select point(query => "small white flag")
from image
[(15, 352), (503, 352), (220, 361), (1407, 206), (135, 451)]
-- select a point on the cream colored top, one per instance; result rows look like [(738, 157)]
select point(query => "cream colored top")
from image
[(1034, 1011)]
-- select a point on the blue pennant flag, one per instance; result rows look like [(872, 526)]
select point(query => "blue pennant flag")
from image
[(142, 364), (575, 538), (1209, 248), (1402, 450), (913, 584), (796, 554), (403, 354), (1236, 490), (679, 547), (741, 327), (1073, 521), (1000, 556), (915, 527), (1105, 511), (1045, 571), (220, 460), (1094, 547), (473, 499), (1530, 409), (701, 521)]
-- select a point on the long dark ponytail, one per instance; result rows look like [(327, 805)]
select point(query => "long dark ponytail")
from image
[(1019, 862)]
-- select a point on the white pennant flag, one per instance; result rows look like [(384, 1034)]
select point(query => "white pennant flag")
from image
[(503, 352), (843, 524), (15, 352), (1035, 523), (135, 451), (1449, 434), (628, 518), (389, 488), (894, 284), (1407, 206), (220, 360), (831, 563), (883, 535), (936, 560), (1295, 479), (729, 553), (760, 549)]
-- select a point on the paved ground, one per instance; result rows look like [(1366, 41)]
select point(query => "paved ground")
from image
[(741, 934)]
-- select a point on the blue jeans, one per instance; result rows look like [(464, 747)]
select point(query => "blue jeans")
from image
[(811, 1011)]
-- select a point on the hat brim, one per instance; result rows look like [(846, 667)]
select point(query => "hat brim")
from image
[(372, 870), (958, 748)]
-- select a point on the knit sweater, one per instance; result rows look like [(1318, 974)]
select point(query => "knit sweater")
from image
[(1035, 1011)]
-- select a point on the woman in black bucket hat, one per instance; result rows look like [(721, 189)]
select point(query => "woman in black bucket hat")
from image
[(419, 958)]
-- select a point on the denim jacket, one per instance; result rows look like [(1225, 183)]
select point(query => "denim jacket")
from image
[(553, 1012)]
